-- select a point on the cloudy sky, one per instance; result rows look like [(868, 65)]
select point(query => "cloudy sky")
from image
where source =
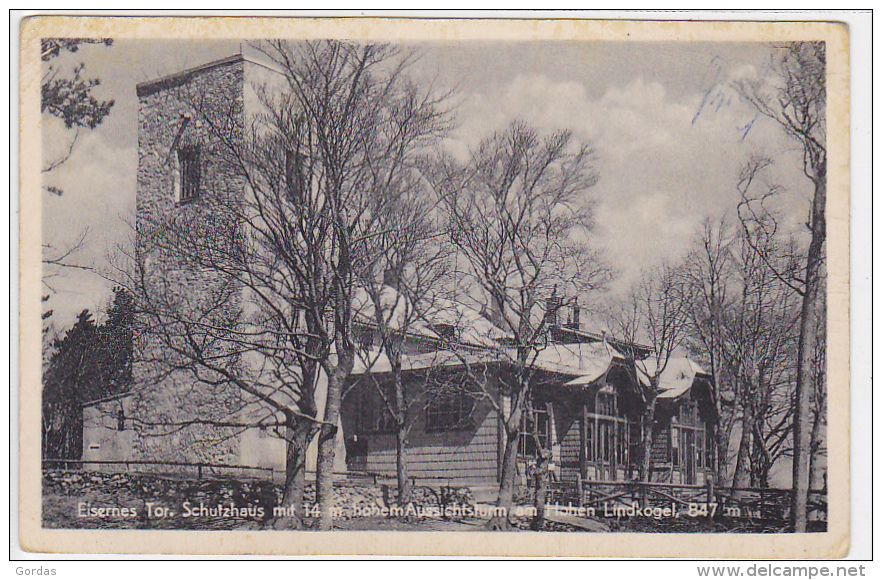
[(669, 132)]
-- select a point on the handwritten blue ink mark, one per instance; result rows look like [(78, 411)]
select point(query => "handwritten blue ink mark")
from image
[(701, 106), (712, 78), (716, 97), (746, 128), (717, 101)]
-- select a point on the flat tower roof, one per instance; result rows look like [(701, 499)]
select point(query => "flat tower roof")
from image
[(177, 79)]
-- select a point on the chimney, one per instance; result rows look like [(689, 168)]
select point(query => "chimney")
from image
[(573, 321), (552, 307)]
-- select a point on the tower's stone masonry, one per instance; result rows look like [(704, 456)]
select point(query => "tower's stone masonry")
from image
[(203, 114), (187, 112)]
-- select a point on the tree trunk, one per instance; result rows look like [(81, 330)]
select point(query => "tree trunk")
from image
[(646, 458), (741, 478), (404, 486), (816, 449), (721, 453), (510, 458), (324, 477), (648, 424), (540, 474), (814, 484), (506, 484), (541, 481), (761, 460), (299, 434), (802, 438)]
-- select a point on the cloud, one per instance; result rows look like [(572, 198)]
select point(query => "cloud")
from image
[(534, 99), (668, 145), (743, 72), (665, 165), (99, 194)]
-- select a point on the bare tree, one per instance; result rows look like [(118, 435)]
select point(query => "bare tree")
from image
[(359, 124), (655, 313), (329, 157), (231, 356), (708, 268), (757, 331), (519, 219), (819, 400), (797, 102), (402, 272)]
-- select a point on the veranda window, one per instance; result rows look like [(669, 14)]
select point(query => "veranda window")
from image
[(622, 447), (589, 441), (612, 439), (526, 441), (635, 441), (675, 446), (449, 412), (699, 449)]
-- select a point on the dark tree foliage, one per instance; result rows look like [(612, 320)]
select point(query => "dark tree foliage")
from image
[(70, 98), (116, 339), (73, 378), (52, 47), (90, 362)]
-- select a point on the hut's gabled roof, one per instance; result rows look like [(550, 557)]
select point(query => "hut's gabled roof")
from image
[(587, 362), (676, 379), (471, 327), (376, 362)]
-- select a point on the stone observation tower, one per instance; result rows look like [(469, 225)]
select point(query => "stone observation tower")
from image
[(188, 123)]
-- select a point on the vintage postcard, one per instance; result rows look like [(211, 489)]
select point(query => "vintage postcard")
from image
[(434, 287)]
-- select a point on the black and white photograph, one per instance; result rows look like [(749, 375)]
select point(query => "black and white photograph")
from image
[(441, 281)]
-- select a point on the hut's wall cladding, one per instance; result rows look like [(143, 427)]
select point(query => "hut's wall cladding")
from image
[(660, 455), (569, 453), (175, 113), (463, 455)]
